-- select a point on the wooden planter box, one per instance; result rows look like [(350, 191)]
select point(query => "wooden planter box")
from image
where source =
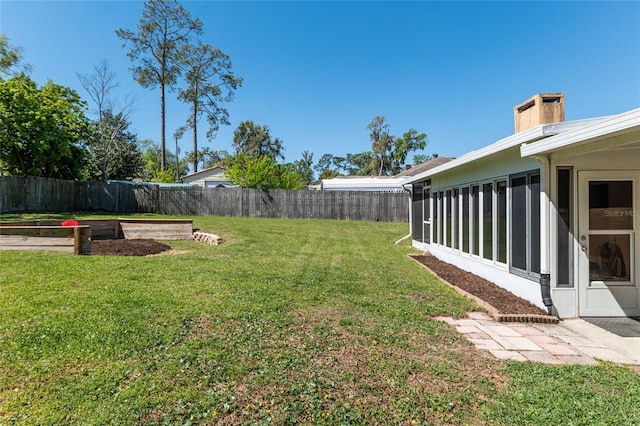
[(159, 229), (63, 239), (48, 235)]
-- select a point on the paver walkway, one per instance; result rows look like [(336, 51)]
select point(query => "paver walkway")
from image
[(571, 341)]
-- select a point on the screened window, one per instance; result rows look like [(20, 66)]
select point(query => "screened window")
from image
[(427, 214), (519, 222), (417, 212), (455, 219), (501, 217), (475, 223), (437, 217), (534, 214), (487, 220), (465, 220), (448, 215), (525, 224), (564, 220)]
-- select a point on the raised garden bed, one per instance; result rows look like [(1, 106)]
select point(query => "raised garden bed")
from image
[(74, 239), (50, 235), (157, 229)]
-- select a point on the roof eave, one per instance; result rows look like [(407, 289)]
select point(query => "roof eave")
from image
[(533, 134), (604, 128)]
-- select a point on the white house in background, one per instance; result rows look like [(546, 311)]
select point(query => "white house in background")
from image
[(551, 213), (212, 177), (381, 183)]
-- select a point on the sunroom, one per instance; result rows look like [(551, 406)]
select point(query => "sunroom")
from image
[(549, 213)]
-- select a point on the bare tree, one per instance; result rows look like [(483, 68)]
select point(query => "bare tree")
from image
[(112, 120)]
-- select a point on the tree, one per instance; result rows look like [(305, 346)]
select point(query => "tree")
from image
[(255, 141), (42, 130), (112, 142), (304, 167), (410, 141), (208, 158), (210, 83), (390, 152), (328, 174), (262, 172), (119, 157), (163, 30), (381, 144), (151, 158), (330, 165), (359, 164), (11, 58), (421, 158), (325, 163)]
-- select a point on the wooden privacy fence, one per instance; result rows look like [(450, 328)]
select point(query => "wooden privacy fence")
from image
[(19, 193), (29, 193), (280, 203)]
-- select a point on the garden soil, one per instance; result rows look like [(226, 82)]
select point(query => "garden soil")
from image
[(124, 247), (502, 300)]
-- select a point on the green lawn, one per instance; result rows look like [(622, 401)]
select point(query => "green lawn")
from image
[(288, 321)]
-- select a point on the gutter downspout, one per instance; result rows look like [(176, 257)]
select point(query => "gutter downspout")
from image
[(545, 226), (410, 214)]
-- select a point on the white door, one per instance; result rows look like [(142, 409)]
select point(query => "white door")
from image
[(607, 233)]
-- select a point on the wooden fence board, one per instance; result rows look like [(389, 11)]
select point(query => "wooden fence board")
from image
[(19, 194)]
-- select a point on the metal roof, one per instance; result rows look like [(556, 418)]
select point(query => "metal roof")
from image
[(526, 137), (606, 128)]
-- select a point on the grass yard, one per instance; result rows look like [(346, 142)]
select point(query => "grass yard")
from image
[(288, 321)]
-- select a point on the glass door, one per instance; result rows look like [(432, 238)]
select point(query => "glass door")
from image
[(608, 220)]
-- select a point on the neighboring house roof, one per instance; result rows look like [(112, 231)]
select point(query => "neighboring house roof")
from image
[(211, 177), (205, 172), (380, 183), (362, 183), (422, 167), (524, 138)]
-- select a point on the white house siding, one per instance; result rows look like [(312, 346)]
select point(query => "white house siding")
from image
[(606, 150), (566, 299), (498, 166), (208, 178)]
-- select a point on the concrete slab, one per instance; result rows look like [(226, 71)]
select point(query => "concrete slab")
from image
[(541, 356), (487, 344), (559, 349), (517, 343), (499, 330), (504, 354), (479, 316), (573, 341)]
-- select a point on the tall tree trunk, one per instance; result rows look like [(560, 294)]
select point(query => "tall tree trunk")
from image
[(195, 137), (163, 155)]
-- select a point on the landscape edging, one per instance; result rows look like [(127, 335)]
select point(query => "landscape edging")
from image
[(492, 311)]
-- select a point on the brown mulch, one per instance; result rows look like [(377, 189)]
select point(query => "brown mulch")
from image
[(124, 247), (502, 300)]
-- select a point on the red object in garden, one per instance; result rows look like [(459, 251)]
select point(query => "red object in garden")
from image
[(70, 222)]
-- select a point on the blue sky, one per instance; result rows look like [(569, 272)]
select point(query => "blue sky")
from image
[(318, 72)]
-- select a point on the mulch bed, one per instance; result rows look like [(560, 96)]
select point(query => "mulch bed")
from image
[(124, 247), (505, 302)]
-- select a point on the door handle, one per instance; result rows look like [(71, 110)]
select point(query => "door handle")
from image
[(584, 248)]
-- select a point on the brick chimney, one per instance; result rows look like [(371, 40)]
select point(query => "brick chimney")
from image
[(545, 108)]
